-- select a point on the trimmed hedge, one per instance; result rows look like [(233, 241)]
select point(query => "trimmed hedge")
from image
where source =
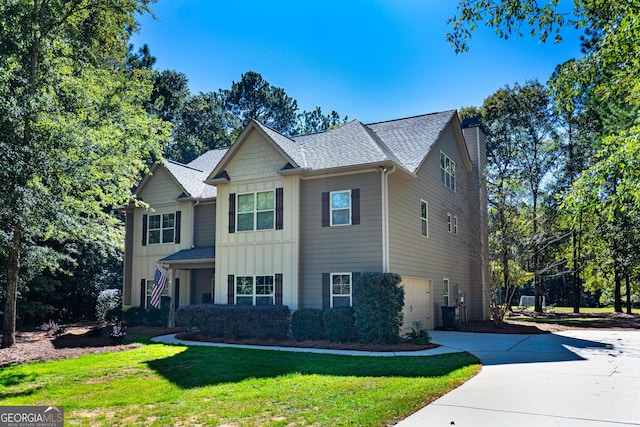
[(307, 324), (339, 324), (236, 321), (135, 316), (378, 308)]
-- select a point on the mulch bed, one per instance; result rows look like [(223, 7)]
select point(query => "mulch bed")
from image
[(33, 345)]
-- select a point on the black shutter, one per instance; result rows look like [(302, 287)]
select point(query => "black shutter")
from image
[(325, 209), (176, 293), (145, 220), (354, 279), (143, 292), (230, 289), (278, 283), (355, 206), (279, 208), (177, 230), (326, 290), (232, 213)]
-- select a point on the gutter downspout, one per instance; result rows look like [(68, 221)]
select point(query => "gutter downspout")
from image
[(384, 183), (193, 222)]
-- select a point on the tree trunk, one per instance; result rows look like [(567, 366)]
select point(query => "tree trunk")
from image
[(617, 292), (13, 269), (628, 286)]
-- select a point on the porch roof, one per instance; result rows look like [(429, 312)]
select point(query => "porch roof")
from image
[(200, 254)]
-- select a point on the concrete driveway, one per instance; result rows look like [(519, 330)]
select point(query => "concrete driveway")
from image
[(575, 378)]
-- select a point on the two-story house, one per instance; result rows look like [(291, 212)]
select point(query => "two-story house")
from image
[(295, 220)]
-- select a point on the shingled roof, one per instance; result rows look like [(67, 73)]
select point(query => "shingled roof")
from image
[(191, 176)]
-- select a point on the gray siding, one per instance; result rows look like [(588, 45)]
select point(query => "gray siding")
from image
[(205, 225), (442, 254), (476, 144), (201, 283), (352, 248)]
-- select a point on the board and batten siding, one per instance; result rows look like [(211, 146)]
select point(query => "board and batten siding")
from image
[(255, 167), (160, 193), (338, 249), (204, 225), (442, 254)]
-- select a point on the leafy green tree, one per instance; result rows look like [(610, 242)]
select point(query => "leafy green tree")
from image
[(170, 93), (73, 127), (201, 125), (254, 98), (314, 121)]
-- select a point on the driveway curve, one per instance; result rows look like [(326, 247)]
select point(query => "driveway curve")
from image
[(583, 378)]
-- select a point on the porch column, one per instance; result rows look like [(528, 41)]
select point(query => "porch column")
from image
[(172, 304)]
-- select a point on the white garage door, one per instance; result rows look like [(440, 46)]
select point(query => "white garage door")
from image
[(417, 303)]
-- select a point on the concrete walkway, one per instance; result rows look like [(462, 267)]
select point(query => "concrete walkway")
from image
[(574, 378)]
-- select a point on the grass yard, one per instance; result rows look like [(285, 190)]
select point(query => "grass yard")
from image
[(176, 385)]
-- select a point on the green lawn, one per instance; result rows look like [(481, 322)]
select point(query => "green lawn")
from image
[(176, 385)]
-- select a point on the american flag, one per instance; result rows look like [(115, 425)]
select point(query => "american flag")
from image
[(159, 282)]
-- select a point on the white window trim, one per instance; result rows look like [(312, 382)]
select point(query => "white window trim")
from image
[(425, 219), (452, 223), (342, 295), (255, 284), (451, 172), (331, 209), (161, 229), (255, 211), (445, 291)]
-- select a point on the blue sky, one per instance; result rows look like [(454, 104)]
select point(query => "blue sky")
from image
[(372, 60)]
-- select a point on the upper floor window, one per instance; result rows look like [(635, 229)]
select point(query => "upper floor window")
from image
[(341, 207), (447, 171), (161, 228), (256, 211), (424, 217)]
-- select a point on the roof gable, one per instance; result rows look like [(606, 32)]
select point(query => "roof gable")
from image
[(188, 178), (404, 142)]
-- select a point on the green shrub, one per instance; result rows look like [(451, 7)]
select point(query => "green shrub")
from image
[(418, 335), (307, 324), (107, 300), (135, 316), (379, 299), (114, 315), (339, 324), (160, 316), (236, 321)]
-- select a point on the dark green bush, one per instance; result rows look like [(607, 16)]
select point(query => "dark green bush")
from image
[(114, 315), (307, 324), (135, 316), (236, 321), (339, 324), (160, 316), (379, 299)]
